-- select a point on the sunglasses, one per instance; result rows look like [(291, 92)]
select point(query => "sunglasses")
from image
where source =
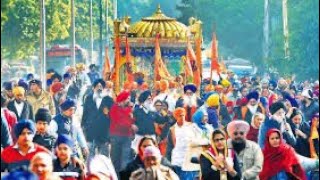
[(240, 133), (217, 140)]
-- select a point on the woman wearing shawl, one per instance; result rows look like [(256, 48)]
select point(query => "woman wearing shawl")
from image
[(202, 128), (280, 160), (219, 162)]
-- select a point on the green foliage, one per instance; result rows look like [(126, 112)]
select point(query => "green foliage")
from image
[(20, 22), (239, 28)]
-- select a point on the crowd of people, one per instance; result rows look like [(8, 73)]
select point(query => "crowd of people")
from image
[(242, 128)]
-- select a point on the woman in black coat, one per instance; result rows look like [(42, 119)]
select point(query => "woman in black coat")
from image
[(301, 129), (218, 162)]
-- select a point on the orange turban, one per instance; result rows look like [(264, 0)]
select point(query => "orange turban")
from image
[(156, 85), (219, 87), (164, 85), (178, 112), (144, 86), (172, 85), (209, 88), (127, 85), (109, 84)]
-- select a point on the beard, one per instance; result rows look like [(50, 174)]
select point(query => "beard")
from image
[(190, 101), (18, 101), (252, 109), (278, 118), (239, 145)]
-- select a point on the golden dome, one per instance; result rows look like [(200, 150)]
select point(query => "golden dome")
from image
[(159, 23)]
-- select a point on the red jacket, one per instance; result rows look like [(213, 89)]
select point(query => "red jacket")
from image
[(12, 121), (121, 120)]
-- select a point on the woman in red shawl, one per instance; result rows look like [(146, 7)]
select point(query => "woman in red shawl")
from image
[(280, 160)]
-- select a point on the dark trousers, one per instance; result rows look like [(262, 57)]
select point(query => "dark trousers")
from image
[(120, 152)]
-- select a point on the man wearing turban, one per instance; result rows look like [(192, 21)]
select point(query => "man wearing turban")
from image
[(95, 118), (19, 105), (166, 95), (20, 154), (65, 123), (122, 128), (189, 101), (252, 107), (180, 137), (247, 152)]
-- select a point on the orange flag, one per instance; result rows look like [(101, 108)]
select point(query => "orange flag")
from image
[(106, 67), (160, 70), (194, 64), (129, 63), (214, 54), (187, 67)]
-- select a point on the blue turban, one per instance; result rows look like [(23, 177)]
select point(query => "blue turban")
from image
[(21, 125), (140, 81), (190, 87), (66, 76), (67, 104), (8, 86), (292, 100), (197, 119), (30, 76), (253, 95), (23, 84), (65, 139), (20, 175), (273, 83), (99, 81), (144, 96)]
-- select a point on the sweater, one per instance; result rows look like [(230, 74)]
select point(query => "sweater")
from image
[(121, 121), (12, 159)]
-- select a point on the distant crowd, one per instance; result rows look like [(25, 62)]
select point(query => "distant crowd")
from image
[(238, 128)]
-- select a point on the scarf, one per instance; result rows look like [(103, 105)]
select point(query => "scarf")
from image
[(212, 155), (282, 158)]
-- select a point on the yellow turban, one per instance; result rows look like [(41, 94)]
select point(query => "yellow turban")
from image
[(213, 100), (225, 83), (18, 90)]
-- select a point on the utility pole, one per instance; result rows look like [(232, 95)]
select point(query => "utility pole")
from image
[(73, 35), (100, 32), (107, 23), (43, 43), (115, 4), (285, 28), (266, 30), (91, 34)]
